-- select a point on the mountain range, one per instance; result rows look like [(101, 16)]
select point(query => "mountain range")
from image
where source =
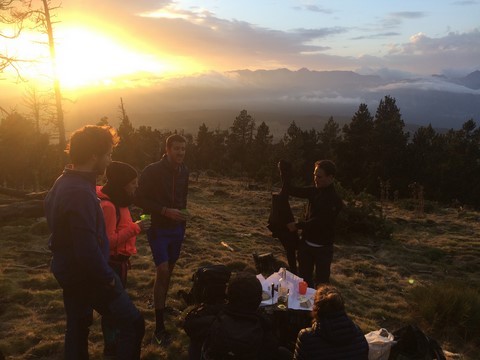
[(281, 96)]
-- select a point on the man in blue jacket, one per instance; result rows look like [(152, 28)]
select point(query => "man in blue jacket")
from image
[(80, 248), (162, 192)]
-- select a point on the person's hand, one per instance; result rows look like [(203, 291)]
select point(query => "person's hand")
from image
[(144, 224), (175, 214), (292, 227)]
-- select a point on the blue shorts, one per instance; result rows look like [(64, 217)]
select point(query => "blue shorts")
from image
[(166, 243)]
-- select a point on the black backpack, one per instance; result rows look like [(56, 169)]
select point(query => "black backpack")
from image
[(209, 285), (413, 344)]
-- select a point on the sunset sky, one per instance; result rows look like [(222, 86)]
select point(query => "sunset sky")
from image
[(120, 43)]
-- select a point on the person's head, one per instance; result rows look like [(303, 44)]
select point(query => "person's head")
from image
[(175, 148), (324, 173), (122, 181), (328, 300), (91, 147), (244, 291)]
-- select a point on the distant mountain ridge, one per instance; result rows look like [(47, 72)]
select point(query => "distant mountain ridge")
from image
[(280, 96)]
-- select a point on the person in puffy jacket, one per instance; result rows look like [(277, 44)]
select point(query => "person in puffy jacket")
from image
[(116, 196), (333, 334), (235, 330)]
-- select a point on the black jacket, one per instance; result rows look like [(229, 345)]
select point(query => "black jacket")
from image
[(324, 204), (335, 337), (230, 333), (162, 186), (280, 215)]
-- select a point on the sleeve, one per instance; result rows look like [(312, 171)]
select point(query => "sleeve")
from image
[(83, 217), (299, 351), (144, 194), (300, 192), (186, 187), (117, 236), (325, 216)]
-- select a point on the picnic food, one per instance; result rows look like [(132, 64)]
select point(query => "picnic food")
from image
[(266, 296)]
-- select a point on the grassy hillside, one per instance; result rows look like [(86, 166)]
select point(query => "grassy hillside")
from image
[(377, 277)]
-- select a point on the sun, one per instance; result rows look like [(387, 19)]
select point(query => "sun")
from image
[(87, 58)]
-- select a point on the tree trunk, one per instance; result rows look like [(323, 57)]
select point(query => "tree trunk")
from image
[(56, 82)]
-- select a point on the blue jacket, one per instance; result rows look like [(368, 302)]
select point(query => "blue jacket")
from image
[(162, 186), (334, 337), (79, 242)]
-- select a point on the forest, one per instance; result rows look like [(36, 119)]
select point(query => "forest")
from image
[(373, 152)]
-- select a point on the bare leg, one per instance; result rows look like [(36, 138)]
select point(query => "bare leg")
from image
[(160, 290)]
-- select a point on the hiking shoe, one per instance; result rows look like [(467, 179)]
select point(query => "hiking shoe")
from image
[(163, 338)]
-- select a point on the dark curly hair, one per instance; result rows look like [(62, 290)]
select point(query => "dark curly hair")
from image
[(91, 140), (328, 300), (244, 291)]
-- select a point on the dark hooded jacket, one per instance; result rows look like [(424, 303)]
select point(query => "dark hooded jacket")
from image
[(162, 186), (324, 206), (228, 332), (334, 337)]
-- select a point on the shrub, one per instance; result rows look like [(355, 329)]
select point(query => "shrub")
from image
[(362, 215), (450, 306)]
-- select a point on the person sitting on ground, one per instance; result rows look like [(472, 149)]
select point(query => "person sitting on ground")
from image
[(333, 334), (234, 330), (116, 195)]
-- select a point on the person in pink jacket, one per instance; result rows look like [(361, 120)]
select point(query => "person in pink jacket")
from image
[(116, 196)]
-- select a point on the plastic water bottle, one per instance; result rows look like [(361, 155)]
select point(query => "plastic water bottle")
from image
[(283, 289)]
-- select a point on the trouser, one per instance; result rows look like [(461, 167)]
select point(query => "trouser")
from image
[(120, 264), (318, 257), (113, 304), (290, 244)]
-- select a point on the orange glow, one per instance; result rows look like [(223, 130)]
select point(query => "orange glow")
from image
[(87, 59)]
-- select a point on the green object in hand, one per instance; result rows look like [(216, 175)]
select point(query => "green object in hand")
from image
[(145, 217), (184, 212)]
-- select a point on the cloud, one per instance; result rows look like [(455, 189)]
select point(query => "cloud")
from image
[(318, 97), (395, 19), (199, 35), (426, 84), (465, 3), (314, 8), (376, 36)]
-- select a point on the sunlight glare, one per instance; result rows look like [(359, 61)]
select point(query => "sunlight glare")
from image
[(88, 59)]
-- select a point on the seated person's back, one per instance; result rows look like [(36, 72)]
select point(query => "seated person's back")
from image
[(333, 334), (235, 330)]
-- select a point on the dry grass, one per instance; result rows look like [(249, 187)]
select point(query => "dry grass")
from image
[(373, 275)]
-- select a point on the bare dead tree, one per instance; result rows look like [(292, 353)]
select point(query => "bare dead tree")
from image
[(39, 105), (39, 19), (13, 20)]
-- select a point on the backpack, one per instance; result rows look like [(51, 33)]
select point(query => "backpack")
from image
[(265, 264), (280, 215), (234, 337), (413, 344), (209, 285)]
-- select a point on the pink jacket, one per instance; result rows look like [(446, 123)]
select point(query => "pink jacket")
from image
[(122, 237)]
